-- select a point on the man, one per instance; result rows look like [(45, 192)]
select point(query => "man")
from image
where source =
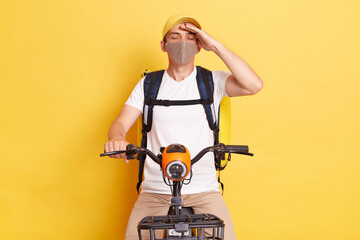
[(182, 40)]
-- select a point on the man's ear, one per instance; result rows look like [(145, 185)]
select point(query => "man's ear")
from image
[(199, 48), (163, 46)]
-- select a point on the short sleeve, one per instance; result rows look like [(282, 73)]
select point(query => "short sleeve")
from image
[(220, 77), (136, 98)]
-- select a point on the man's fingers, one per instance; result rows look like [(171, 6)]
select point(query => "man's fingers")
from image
[(116, 145), (116, 148), (109, 148), (190, 27), (106, 147)]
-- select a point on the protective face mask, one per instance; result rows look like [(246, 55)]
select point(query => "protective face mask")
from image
[(182, 51)]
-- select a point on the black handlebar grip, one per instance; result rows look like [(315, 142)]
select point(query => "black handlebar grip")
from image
[(236, 148), (111, 153), (130, 152)]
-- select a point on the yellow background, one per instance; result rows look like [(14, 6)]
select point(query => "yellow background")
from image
[(67, 67)]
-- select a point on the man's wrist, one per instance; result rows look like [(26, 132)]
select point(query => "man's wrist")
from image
[(117, 138), (218, 48)]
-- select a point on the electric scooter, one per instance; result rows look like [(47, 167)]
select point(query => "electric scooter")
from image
[(176, 164)]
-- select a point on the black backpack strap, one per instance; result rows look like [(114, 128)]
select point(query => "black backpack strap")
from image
[(206, 88), (151, 88), (141, 163)]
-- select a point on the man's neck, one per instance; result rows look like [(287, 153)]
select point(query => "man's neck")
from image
[(180, 72)]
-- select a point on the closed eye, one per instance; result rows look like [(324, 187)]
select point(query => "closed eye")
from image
[(191, 36), (174, 35)]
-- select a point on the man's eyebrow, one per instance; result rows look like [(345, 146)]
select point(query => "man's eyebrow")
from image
[(179, 33), (174, 33)]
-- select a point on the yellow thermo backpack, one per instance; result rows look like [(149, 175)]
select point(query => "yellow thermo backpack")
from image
[(206, 89)]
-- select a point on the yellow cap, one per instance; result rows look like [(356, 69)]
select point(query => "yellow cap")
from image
[(176, 19)]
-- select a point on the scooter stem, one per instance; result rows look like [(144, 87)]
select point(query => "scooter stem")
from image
[(176, 199)]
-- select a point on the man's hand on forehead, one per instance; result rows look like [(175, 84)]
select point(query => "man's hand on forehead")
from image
[(189, 27), (205, 40)]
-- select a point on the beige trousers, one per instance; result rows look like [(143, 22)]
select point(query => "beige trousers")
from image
[(152, 204)]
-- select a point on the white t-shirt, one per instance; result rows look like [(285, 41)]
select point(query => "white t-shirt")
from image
[(186, 125)]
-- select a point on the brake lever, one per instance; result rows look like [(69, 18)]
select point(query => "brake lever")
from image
[(131, 152), (112, 153), (242, 153)]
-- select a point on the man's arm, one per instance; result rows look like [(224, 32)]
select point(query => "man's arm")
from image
[(119, 128), (243, 80)]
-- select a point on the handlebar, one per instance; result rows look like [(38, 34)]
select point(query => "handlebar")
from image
[(222, 149), (132, 151)]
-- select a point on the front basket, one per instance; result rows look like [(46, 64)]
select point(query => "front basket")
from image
[(188, 227)]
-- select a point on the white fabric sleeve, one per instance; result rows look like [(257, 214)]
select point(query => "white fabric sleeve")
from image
[(220, 77), (136, 98)]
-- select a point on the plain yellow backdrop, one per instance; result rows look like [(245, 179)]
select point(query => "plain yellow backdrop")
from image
[(67, 67)]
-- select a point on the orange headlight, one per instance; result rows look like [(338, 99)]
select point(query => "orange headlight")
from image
[(176, 162)]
